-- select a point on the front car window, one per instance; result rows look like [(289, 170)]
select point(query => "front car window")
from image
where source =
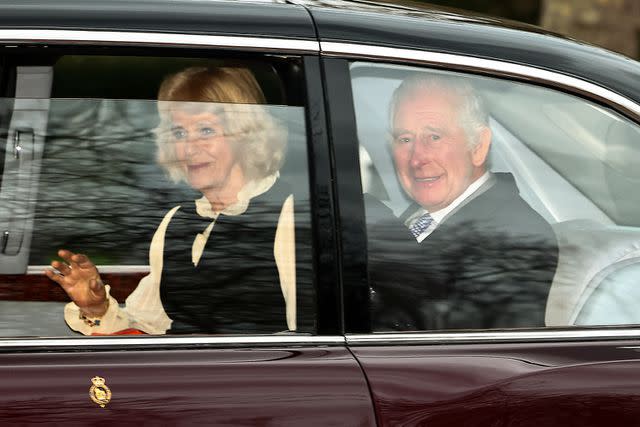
[(492, 204), (193, 208)]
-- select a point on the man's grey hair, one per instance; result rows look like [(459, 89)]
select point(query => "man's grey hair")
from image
[(472, 113)]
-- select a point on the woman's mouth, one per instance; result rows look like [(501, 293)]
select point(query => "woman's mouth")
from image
[(195, 167)]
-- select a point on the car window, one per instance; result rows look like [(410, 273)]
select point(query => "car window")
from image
[(194, 208), (494, 204)]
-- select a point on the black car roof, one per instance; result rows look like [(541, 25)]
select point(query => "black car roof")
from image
[(428, 28), (407, 26), (265, 18)]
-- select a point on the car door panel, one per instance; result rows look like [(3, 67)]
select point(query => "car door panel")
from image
[(284, 379), (533, 384), (223, 386)]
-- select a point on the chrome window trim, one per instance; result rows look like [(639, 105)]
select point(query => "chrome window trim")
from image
[(157, 39), (122, 342), (492, 337), (355, 340), (471, 63), (108, 269)]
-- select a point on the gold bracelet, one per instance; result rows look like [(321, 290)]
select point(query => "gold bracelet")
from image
[(94, 320)]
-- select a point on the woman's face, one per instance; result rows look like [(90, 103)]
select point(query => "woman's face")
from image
[(202, 148)]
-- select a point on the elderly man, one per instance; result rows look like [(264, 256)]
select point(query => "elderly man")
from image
[(469, 253)]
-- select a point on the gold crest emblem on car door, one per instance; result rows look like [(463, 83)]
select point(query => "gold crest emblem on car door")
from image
[(99, 392)]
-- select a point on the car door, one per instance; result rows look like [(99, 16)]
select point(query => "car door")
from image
[(571, 155), (79, 114)]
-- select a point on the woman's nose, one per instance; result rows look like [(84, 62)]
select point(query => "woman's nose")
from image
[(192, 144)]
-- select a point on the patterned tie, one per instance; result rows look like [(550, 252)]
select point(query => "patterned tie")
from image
[(420, 225)]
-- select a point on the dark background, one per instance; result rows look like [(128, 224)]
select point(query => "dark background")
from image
[(613, 24)]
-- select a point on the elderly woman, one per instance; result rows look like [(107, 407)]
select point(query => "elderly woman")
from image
[(226, 262)]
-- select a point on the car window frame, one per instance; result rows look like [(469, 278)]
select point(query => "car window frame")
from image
[(328, 319), (340, 55)]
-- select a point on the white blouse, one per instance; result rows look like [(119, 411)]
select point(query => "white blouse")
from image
[(143, 309)]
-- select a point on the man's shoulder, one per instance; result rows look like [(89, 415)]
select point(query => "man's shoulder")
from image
[(511, 206), (501, 188), (382, 224), (376, 211), (500, 206), (496, 197)]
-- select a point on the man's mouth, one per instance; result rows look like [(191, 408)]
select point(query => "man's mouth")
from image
[(428, 179)]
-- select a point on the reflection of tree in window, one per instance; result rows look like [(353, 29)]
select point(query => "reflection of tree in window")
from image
[(100, 188)]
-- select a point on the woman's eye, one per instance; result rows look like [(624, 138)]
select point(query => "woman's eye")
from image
[(178, 134)]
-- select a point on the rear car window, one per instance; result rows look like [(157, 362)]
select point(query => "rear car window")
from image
[(81, 172)]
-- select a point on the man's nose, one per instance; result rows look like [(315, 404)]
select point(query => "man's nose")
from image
[(421, 153)]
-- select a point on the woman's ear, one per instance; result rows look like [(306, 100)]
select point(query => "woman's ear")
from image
[(480, 151)]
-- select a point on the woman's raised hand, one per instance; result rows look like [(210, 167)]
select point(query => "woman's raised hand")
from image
[(80, 279)]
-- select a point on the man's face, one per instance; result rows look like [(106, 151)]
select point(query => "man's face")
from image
[(430, 148)]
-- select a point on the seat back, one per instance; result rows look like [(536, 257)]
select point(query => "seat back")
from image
[(595, 269)]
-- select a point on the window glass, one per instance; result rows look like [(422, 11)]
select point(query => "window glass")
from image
[(494, 204), (180, 184)]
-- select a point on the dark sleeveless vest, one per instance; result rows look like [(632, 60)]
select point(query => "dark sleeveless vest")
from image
[(235, 288)]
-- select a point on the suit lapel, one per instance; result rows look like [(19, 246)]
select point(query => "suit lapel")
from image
[(467, 210)]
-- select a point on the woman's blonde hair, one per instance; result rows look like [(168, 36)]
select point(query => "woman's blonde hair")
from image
[(258, 140)]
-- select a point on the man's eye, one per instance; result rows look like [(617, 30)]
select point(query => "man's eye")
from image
[(434, 137), (207, 131), (404, 139)]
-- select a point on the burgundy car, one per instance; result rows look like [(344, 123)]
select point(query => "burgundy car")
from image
[(79, 119)]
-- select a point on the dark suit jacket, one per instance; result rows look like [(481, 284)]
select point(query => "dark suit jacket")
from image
[(488, 264)]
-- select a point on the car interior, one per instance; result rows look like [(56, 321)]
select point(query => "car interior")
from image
[(50, 197), (573, 163), (80, 171)]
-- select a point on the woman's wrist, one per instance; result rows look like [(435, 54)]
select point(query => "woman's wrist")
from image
[(96, 311)]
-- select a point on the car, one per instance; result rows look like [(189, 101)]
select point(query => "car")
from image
[(79, 118)]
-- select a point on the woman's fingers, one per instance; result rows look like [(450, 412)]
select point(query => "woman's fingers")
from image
[(73, 260), (75, 269), (53, 276), (60, 280), (79, 277), (61, 267), (65, 255), (82, 261), (66, 266)]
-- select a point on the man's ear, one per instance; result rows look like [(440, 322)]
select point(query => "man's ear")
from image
[(480, 152)]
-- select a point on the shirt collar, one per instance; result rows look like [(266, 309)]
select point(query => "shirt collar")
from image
[(439, 215), (250, 190)]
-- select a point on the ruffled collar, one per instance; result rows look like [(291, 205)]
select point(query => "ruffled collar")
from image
[(251, 189)]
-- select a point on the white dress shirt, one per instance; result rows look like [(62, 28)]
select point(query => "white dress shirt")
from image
[(439, 215)]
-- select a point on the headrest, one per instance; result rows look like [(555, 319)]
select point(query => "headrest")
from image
[(623, 149), (586, 249)]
